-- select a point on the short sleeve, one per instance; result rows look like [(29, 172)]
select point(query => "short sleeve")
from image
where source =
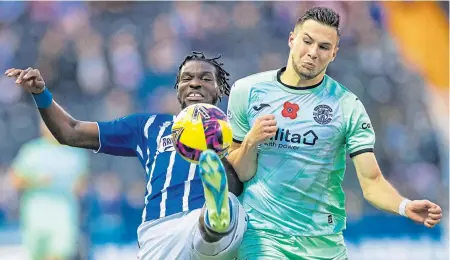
[(237, 111), (120, 137), (360, 135)]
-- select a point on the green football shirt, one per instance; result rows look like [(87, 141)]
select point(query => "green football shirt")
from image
[(297, 189), (62, 165)]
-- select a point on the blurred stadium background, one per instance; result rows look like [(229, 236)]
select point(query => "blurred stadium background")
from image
[(104, 60)]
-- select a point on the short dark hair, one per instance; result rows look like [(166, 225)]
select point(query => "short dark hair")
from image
[(322, 15), (221, 74)]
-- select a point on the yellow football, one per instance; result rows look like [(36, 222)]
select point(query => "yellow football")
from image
[(200, 127)]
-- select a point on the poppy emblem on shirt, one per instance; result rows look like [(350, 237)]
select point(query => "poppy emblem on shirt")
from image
[(290, 110)]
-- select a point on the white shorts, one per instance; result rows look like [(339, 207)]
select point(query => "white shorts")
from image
[(178, 237)]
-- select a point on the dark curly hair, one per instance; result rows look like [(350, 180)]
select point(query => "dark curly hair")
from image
[(221, 74)]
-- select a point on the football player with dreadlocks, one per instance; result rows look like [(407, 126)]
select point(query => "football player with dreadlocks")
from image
[(175, 220)]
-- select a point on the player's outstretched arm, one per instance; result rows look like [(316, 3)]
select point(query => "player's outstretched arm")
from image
[(64, 127), (380, 193)]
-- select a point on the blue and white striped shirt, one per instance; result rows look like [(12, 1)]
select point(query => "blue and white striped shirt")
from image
[(173, 184)]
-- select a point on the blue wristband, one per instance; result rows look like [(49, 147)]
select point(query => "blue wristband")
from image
[(43, 99)]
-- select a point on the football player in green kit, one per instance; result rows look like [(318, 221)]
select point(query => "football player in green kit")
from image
[(292, 128)]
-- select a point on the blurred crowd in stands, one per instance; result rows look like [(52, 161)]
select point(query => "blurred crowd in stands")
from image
[(104, 60)]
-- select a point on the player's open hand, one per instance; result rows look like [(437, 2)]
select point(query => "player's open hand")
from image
[(263, 129), (424, 211), (30, 79)]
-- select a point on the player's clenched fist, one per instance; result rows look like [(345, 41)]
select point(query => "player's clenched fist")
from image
[(263, 129), (424, 211), (30, 79)]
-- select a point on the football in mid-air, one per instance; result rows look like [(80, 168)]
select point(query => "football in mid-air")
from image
[(200, 127)]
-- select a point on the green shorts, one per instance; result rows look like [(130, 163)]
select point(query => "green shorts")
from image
[(50, 227), (258, 244)]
